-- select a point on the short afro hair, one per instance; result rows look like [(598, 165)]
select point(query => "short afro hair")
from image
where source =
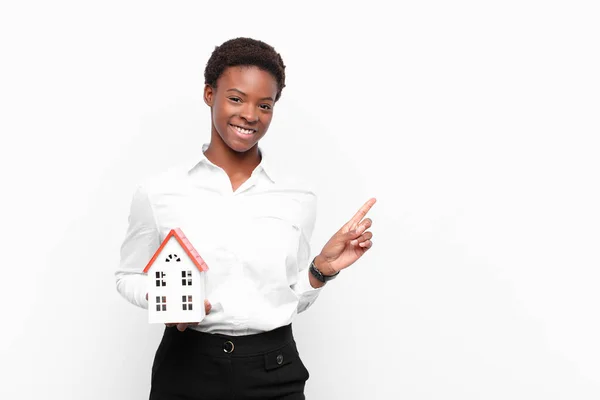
[(245, 52)]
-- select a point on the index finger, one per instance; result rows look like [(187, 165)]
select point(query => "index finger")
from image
[(362, 212)]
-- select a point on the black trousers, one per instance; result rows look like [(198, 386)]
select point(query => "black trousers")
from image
[(193, 365)]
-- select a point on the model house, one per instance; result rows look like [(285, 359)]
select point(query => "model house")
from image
[(176, 289)]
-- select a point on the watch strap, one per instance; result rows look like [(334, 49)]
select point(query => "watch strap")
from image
[(319, 275)]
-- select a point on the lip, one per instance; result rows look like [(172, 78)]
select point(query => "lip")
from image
[(244, 127), (241, 135)]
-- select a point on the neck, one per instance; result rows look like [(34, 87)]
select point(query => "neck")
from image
[(233, 162)]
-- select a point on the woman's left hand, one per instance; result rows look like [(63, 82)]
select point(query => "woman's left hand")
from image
[(348, 244)]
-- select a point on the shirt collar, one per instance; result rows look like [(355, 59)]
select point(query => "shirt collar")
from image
[(264, 164)]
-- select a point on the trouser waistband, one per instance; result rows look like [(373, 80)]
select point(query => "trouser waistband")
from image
[(214, 344)]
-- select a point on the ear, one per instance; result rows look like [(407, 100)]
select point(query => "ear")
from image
[(209, 95)]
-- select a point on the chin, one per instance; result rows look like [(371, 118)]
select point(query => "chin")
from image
[(238, 146), (237, 143)]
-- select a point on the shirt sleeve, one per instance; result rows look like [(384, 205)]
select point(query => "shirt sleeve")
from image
[(142, 239), (306, 293)]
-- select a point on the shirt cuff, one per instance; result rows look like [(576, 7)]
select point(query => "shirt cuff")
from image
[(306, 293)]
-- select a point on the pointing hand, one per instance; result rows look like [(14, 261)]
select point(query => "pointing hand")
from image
[(348, 244)]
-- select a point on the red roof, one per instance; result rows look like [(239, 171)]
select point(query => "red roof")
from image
[(186, 245)]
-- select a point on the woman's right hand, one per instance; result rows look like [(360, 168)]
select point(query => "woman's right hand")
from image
[(182, 326)]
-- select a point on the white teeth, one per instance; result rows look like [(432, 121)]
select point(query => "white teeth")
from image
[(244, 131)]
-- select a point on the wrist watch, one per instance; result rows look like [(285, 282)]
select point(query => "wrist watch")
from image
[(317, 274)]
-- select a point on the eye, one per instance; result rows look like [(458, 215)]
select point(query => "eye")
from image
[(265, 106), (235, 99)]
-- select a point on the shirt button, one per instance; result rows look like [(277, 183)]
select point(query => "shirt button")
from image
[(280, 359)]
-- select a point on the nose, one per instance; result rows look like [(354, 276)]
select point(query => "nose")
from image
[(249, 113)]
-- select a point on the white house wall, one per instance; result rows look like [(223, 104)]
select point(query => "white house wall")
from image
[(174, 290)]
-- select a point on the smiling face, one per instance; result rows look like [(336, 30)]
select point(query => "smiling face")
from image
[(241, 106)]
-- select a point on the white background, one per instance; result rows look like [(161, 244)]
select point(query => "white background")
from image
[(475, 125)]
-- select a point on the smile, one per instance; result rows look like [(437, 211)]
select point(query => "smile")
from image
[(243, 131)]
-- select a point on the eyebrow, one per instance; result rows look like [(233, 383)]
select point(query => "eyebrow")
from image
[(244, 94)]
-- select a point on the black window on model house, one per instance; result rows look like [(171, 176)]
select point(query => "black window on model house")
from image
[(172, 257), (187, 303), (186, 278), (160, 278), (161, 303)]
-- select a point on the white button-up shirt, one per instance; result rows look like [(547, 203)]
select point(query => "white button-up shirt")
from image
[(255, 241)]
